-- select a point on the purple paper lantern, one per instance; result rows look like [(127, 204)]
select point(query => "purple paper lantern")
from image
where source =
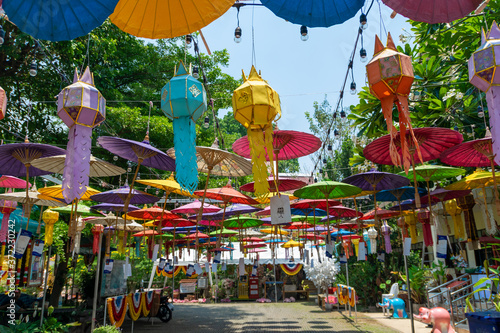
[(81, 107)]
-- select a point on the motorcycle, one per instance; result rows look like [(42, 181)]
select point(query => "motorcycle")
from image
[(165, 310)]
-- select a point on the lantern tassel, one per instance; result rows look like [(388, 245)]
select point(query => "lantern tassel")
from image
[(185, 153), (258, 142), (77, 163)]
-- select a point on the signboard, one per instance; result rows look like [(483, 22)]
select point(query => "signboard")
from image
[(280, 209), (114, 283)]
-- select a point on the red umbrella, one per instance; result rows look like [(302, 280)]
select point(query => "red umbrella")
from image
[(286, 144), (342, 212), (432, 142), (257, 250), (265, 212), (254, 245), (211, 223), (148, 232), (350, 225), (194, 208), (284, 184), (177, 223), (196, 235), (314, 204), (13, 182), (221, 249), (433, 11), (444, 195), (252, 239), (381, 214), (153, 213), (298, 225)]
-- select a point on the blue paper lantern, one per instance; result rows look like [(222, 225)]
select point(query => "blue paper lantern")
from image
[(184, 100)]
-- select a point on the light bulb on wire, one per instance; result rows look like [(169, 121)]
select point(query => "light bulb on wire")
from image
[(33, 69), (196, 72), (303, 33), (363, 22), (363, 55), (189, 41), (353, 88), (237, 34), (206, 123)]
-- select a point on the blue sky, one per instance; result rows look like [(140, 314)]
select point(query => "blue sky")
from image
[(301, 72)]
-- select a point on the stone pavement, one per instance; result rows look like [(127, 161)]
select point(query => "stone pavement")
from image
[(267, 317)]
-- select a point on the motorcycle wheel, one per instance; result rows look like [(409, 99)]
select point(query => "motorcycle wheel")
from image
[(164, 313)]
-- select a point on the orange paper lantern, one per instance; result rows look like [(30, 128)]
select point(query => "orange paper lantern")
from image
[(390, 76)]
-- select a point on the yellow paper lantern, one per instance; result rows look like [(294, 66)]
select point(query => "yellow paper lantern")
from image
[(50, 218), (256, 105), (455, 213), (411, 220)]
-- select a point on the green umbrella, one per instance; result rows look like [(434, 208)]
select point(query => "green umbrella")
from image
[(327, 190), (242, 222), (308, 219), (81, 210), (224, 232)]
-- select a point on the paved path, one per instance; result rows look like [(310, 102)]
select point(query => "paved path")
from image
[(256, 317)]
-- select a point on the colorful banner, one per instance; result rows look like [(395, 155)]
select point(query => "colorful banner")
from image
[(147, 302), (291, 269), (168, 273), (346, 295), (117, 307), (134, 305)]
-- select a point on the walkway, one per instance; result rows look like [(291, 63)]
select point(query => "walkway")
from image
[(256, 317)]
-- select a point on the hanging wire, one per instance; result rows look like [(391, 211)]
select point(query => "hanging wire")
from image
[(382, 24), (149, 116), (482, 108), (254, 57), (87, 56)]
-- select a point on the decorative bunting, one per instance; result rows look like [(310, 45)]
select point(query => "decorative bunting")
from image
[(147, 302), (117, 307), (134, 305), (291, 269)]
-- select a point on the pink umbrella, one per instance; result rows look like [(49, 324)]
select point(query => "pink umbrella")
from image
[(265, 212), (210, 223), (12, 182), (252, 239), (194, 208), (284, 184), (257, 250), (254, 245)]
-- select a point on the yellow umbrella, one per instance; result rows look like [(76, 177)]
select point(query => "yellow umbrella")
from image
[(291, 243), (168, 185), (157, 19), (274, 230), (56, 192), (150, 224), (267, 200)]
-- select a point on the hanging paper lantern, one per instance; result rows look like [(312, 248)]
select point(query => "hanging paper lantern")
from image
[(355, 241), (386, 230), (390, 75), (372, 234), (184, 100), (411, 220), (467, 203), (256, 105), (425, 219), (367, 240), (456, 215), (96, 231), (3, 103), (81, 107), (50, 218)]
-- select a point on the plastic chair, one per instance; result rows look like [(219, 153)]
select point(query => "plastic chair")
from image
[(393, 293)]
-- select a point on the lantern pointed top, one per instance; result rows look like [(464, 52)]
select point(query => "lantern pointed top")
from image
[(87, 77), (252, 76), (494, 32), (390, 42), (378, 45), (181, 70)]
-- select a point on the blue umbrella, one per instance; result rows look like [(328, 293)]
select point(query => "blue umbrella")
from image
[(57, 20), (308, 212), (399, 194), (314, 13), (407, 205)]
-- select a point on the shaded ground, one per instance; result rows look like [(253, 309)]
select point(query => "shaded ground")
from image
[(256, 317)]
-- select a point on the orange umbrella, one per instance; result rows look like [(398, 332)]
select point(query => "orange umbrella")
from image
[(196, 235), (153, 213), (381, 214), (148, 232)]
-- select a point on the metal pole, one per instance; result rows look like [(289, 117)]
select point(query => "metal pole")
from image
[(409, 292), (96, 284), (45, 285)]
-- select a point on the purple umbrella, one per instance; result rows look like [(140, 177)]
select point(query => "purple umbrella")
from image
[(374, 180), (16, 158), (407, 205), (317, 229), (235, 209), (109, 207), (120, 195)]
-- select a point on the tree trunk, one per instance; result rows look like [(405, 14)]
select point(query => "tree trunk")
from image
[(60, 275)]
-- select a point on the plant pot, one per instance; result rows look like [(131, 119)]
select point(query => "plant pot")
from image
[(483, 321)]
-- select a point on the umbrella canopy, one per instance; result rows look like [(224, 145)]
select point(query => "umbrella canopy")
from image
[(298, 225), (374, 180), (107, 207), (81, 210), (56, 191), (275, 230), (432, 142), (107, 220), (257, 250), (35, 198), (284, 184), (98, 168), (265, 212), (58, 20), (152, 213), (224, 232), (254, 245), (311, 236), (252, 239), (287, 145), (131, 226), (16, 157), (168, 185), (399, 194), (119, 196), (327, 190), (410, 204), (317, 228), (379, 213), (227, 194), (148, 232), (267, 199), (314, 13), (196, 235), (343, 212), (433, 11), (138, 152), (351, 225), (13, 182), (479, 178), (241, 222), (194, 208), (433, 172), (219, 162), (309, 219), (236, 209), (308, 203), (177, 223), (166, 18), (291, 243), (444, 195), (475, 153)]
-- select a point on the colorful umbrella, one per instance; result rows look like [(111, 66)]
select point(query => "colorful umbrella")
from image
[(291, 243), (98, 167), (284, 184), (224, 232), (399, 194), (274, 230), (13, 182), (166, 18), (80, 210), (241, 222), (267, 199), (58, 20), (107, 207), (196, 235), (252, 239), (236, 209), (56, 192), (410, 204), (152, 213), (120, 195), (34, 196), (313, 204), (314, 13), (149, 232), (433, 11), (254, 245), (194, 207), (379, 213), (168, 185)]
